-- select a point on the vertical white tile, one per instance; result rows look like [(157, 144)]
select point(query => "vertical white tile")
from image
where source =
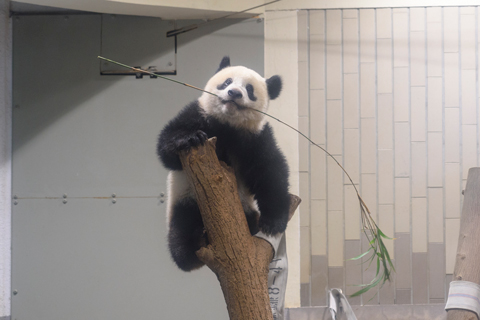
[(318, 175), (334, 26), (453, 190), (452, 230), (303, 145), (334, 71), (417, 19), (434, 48), (302, 35), (434, 14), (305, 196), (417, 58), (350, 45), (435, 215), (450, 29), (305, 255), (402, 204), (467, 10), (384, 65), (452, 80), (469, 97), (435, 159), (368, 151), (334, 127), (350, 13), (352, 214), (317, 61), (367, 90), (385, 176), (367, 35), (317, 22), (350, 101), (317, 116), (400, 38), (335, 239), (352, 154), (467, 41), (418, 110), (419, 169), (385, 121), (401, 94), (334, 185), (384, 23), (368, 189), (435, 108), (302, 89), (402, 149), (452, 135), (469, 148), (319, 227), (386, 222), (419, 224)]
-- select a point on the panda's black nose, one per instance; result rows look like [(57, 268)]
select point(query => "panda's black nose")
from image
[(235, 94)]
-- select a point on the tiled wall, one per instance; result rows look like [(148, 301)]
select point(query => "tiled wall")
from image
[(393, 95)]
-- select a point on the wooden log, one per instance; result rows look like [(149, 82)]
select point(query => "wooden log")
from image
[(467, 263), (239, 260)]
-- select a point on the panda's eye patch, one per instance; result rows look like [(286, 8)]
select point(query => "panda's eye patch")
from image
[(225, 84), (251, 95)]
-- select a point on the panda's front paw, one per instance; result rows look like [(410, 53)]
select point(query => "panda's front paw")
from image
[(272, 226), (190, 141)]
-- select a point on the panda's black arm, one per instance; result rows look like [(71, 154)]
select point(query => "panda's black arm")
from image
[(182, 132)]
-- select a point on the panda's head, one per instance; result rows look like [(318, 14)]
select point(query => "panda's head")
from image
[(238, 90)]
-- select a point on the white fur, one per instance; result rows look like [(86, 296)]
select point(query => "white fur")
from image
[(228, 113)]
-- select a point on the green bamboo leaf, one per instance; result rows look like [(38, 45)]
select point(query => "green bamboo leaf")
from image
[(362, 255)]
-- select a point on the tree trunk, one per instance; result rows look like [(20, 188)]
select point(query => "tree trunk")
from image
[(239, 260), (467, 266)]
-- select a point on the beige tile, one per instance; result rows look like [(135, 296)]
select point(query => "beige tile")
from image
[(353, 269), (305, 196), (350, 13), (401, 93), (418, 110), (403, 296), (384, 66), (402, 205), (302, 35), (417, 58), (334, 71), (453, 190), (385, 121), (334, 127), (335, 239), (350, 45), (434, 49), (420, 278), (368, 192), (335, 277), (367, 35), (317, 116), (403, 279), (317, 61), (367, 90), (436, 266), (334, 27), (318, 176), (435, 107), (400, 38), (385, 176), (305, 294), (450, 29), (434, 14), (319, 280), (303, 145), (351, 101), (368, 139), (452, 231), (469, 148), (419, 225), (334, 184), (452, 135), (417, 19), (387, 291), (402, 149), (469, 97), (468, 41), (371, 296), (352, 154), (386, 221), (319, 227), (435, 215), (419, 169), (317, 22), (452, 88), (303, 89), (384, 23), (305, 255), (435, 159), (352, 214)]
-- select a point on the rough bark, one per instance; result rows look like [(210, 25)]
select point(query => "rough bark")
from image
[(239, 260), (467, 266)]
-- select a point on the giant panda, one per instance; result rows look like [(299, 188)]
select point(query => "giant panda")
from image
[(245, 142)]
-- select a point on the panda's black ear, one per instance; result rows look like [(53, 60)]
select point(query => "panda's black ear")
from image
[(225, 63), (274, 86)]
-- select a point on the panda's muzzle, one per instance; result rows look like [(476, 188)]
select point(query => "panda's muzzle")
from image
[(239, 107)]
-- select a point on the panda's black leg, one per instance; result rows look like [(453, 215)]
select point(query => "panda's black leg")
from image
[(186, 235), (252, 220)]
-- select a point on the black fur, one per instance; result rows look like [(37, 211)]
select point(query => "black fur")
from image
[(224, 63), (274, 86)]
